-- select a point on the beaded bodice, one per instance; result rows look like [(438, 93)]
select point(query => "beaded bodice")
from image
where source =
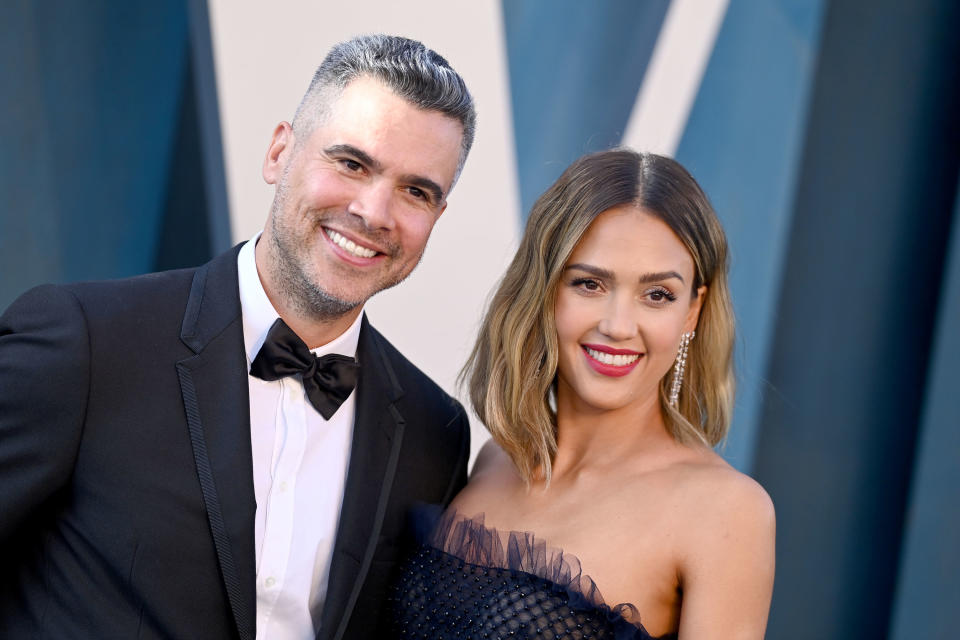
[(468, 581)]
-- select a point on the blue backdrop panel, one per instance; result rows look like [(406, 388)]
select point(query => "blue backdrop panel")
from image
[(183, 236), (743, 144), (928, 592), (857, 312), (100, 160), (110, 73), (29, 226), (575, 70), (206, 111)]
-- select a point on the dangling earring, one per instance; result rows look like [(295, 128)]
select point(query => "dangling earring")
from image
[(679, 366)]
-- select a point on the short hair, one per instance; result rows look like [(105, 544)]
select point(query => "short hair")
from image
[(412, 71), (512, 369)]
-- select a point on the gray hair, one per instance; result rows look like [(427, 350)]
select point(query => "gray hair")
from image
[(412, 71)]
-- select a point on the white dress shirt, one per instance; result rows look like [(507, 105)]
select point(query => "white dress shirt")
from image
[(299, 472)]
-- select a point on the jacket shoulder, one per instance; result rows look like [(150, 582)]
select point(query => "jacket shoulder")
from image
[(150, 289), (94, 302), (414, 382)]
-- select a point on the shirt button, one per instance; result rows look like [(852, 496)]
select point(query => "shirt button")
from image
[(283, 487), (270, 581)]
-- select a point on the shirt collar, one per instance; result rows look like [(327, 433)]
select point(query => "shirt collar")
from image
[(259, 313)]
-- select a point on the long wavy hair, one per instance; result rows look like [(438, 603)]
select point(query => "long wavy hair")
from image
[(512, 369)]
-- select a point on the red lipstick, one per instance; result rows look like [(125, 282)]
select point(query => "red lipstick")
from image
[(610, 369)]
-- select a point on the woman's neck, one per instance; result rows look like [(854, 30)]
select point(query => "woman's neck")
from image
[(594, 440)]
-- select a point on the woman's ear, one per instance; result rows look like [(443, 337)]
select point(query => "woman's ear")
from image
[(693, 314)]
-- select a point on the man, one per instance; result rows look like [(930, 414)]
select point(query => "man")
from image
[(175, 463)]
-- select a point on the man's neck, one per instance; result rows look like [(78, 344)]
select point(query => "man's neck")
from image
[(314, 331)]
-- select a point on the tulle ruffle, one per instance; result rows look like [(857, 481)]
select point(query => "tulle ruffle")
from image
[(470, 540)]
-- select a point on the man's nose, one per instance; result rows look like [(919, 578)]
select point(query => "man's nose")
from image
[(619, 321), (374, 204)]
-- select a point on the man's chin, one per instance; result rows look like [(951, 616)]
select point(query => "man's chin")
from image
[(357, 294), (340, 289)]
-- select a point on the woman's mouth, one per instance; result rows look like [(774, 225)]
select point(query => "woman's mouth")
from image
[(609, 361)]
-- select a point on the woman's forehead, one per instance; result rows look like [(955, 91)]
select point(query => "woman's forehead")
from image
[(630, 238)]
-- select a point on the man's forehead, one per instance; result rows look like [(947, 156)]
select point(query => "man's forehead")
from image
[(368, 92), (393, 132)]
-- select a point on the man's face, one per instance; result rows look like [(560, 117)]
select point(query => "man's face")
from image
[(357, 199)]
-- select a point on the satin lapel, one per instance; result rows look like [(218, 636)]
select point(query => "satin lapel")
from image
[(377, 436), (216, 397)]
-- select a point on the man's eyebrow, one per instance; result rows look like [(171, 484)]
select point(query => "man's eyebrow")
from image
[(426, 184), (362, 156), (359, 154)]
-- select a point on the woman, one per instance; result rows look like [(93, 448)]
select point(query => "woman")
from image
[(603, 371)]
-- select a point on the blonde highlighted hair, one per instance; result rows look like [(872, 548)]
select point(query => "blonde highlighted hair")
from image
[(511, 372)]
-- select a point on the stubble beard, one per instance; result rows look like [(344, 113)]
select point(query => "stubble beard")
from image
[(289, 267), (288, 273), (305, 296)]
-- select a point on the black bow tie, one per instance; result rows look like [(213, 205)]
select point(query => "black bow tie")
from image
[(328, 381)]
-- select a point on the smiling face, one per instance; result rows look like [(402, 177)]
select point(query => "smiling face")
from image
[(623, 301), (356, 200)]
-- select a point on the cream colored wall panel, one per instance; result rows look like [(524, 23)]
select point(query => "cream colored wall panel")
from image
[(673, 76)]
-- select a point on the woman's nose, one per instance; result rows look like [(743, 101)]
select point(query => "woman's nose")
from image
[(619, 321)]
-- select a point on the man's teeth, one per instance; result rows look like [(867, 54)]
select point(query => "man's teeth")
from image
[(609, 358), (349, 245)]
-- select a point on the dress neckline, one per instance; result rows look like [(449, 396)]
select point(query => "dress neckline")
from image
[(469, 539)]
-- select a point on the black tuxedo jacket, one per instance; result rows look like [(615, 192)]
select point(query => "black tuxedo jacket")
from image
[(126, 483)]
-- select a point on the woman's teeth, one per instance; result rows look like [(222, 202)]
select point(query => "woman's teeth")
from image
[(609, 358), (349, 245)]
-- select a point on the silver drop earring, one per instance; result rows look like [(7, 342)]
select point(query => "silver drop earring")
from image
[(679, 366)]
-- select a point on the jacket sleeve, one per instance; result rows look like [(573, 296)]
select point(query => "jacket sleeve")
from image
[(44, 382), (458, 480)]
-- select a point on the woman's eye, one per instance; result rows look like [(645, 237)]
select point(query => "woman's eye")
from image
[(661, 295), (587, 284)]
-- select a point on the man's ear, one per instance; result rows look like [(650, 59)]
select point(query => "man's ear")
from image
[(278, 153), (693, 314)]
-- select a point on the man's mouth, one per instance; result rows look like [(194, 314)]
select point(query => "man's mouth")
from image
[(349, 246)]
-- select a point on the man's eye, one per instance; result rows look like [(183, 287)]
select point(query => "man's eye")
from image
[(417, 192), (351, 165)]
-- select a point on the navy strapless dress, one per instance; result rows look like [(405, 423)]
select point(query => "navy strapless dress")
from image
[(467, 581)]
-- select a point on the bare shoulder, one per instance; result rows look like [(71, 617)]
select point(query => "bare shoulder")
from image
[(713, 507), (493, 476), (725, 548), (726, 551), (491, 459), (719, 491)]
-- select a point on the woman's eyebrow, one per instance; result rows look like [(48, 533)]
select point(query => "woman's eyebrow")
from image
[(659, 275), (600, 272)]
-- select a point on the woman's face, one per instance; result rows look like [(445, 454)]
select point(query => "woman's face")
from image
[(624, 299)]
